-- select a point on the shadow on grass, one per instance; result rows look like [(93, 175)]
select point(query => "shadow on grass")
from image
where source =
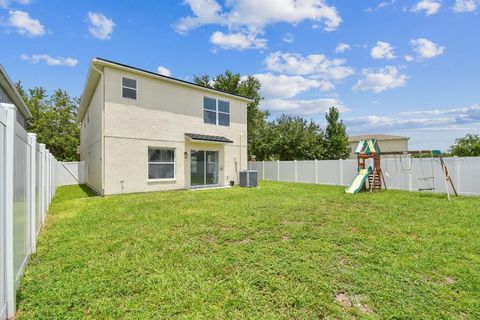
[(88, 192)]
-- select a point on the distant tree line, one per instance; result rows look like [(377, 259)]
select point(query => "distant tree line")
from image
[(286, 137), (468, 146), (53, 120)]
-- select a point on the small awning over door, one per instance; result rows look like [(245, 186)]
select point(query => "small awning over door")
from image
[(204, 137)]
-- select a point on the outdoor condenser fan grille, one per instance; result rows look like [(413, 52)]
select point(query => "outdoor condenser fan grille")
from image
[(248, 178)]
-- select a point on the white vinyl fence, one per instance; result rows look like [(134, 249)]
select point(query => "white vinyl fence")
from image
[(403, 173), (28, 180)]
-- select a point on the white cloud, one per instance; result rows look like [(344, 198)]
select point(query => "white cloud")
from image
[(342, 47), (24, 24), (430, 7), (164, 71), (302, 107), (6, 3), (100, 26), (466, 5), (287, 37), (204, 12), (446, 118), (426, 49), (383, 50), (237, 41), (380, 80), (409, 58), (51, 61), (283, 86), (381, 5), (316, 65), (250, 17), (255, 15)]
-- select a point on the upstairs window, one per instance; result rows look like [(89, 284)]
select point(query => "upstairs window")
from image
[(209, 110), (223, 113), (216, 111), (161, 163), (129, 88)]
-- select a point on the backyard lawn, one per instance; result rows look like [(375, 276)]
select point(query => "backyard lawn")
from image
[(281, 251)]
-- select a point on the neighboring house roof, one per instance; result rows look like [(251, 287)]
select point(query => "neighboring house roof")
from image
[(379, 137), (93, 77), (13, 94), (204, 137)]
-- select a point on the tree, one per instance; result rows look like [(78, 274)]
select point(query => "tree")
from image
[(248, 87), (336, 138), (53, 121), (468, 146), (294, 138)]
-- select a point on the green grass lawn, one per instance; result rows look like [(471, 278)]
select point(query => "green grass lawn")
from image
[(281, 251)]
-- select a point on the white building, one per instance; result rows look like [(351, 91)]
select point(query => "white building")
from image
[(142, 131), (387, 143)]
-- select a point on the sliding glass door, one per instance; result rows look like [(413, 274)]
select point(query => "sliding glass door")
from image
[(203, 168)]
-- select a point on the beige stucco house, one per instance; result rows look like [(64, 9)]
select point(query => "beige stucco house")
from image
[(387, 143), (142, 131)]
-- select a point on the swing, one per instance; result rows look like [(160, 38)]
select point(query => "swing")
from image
[(408, 168), (425, 179), (396, 167)]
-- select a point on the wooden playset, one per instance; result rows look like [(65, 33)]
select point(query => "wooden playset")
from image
[(372, 178)]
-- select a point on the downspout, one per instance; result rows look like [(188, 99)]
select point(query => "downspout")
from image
[(102, 78), (240, 169)]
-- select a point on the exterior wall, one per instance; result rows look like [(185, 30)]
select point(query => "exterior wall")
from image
[(19, 115), (91, 140), (385, 146), (4, 97), (160, 117)]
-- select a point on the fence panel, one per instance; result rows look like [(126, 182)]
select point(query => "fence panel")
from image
[(271, 170), (306, 171), (71, 173), (328, 172), (468, 175), (349, 171), (21, 221), (287, 171), (38, 175)]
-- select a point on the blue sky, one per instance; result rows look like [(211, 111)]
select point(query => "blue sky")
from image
[(398, 67)]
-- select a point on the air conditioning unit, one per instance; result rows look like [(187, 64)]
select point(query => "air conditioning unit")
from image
[(248, 178)]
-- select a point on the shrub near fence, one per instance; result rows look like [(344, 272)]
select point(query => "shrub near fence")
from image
[(402, 173), (28, 180)]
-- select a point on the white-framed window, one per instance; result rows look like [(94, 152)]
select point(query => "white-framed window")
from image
[(129, 88), (161, 163), (216, 111)]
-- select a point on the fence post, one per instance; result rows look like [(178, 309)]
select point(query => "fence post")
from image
[(341, 172), (42, 193), (8, 207), (278, 170), (32, 141), (263, 169), (296, 171), (316, 171), (456, 182), (410, 182)]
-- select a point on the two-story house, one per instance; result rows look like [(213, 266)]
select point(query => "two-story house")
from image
[(142, 131)]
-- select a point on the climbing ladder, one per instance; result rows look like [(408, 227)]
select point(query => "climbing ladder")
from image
[(375, 180)]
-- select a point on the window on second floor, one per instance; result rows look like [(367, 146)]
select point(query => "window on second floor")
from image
[(129, 88), (216, 111)]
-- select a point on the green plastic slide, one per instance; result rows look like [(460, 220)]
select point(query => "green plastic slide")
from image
[(359, 180)]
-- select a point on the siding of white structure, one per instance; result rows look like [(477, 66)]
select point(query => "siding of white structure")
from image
[(118, 132)]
